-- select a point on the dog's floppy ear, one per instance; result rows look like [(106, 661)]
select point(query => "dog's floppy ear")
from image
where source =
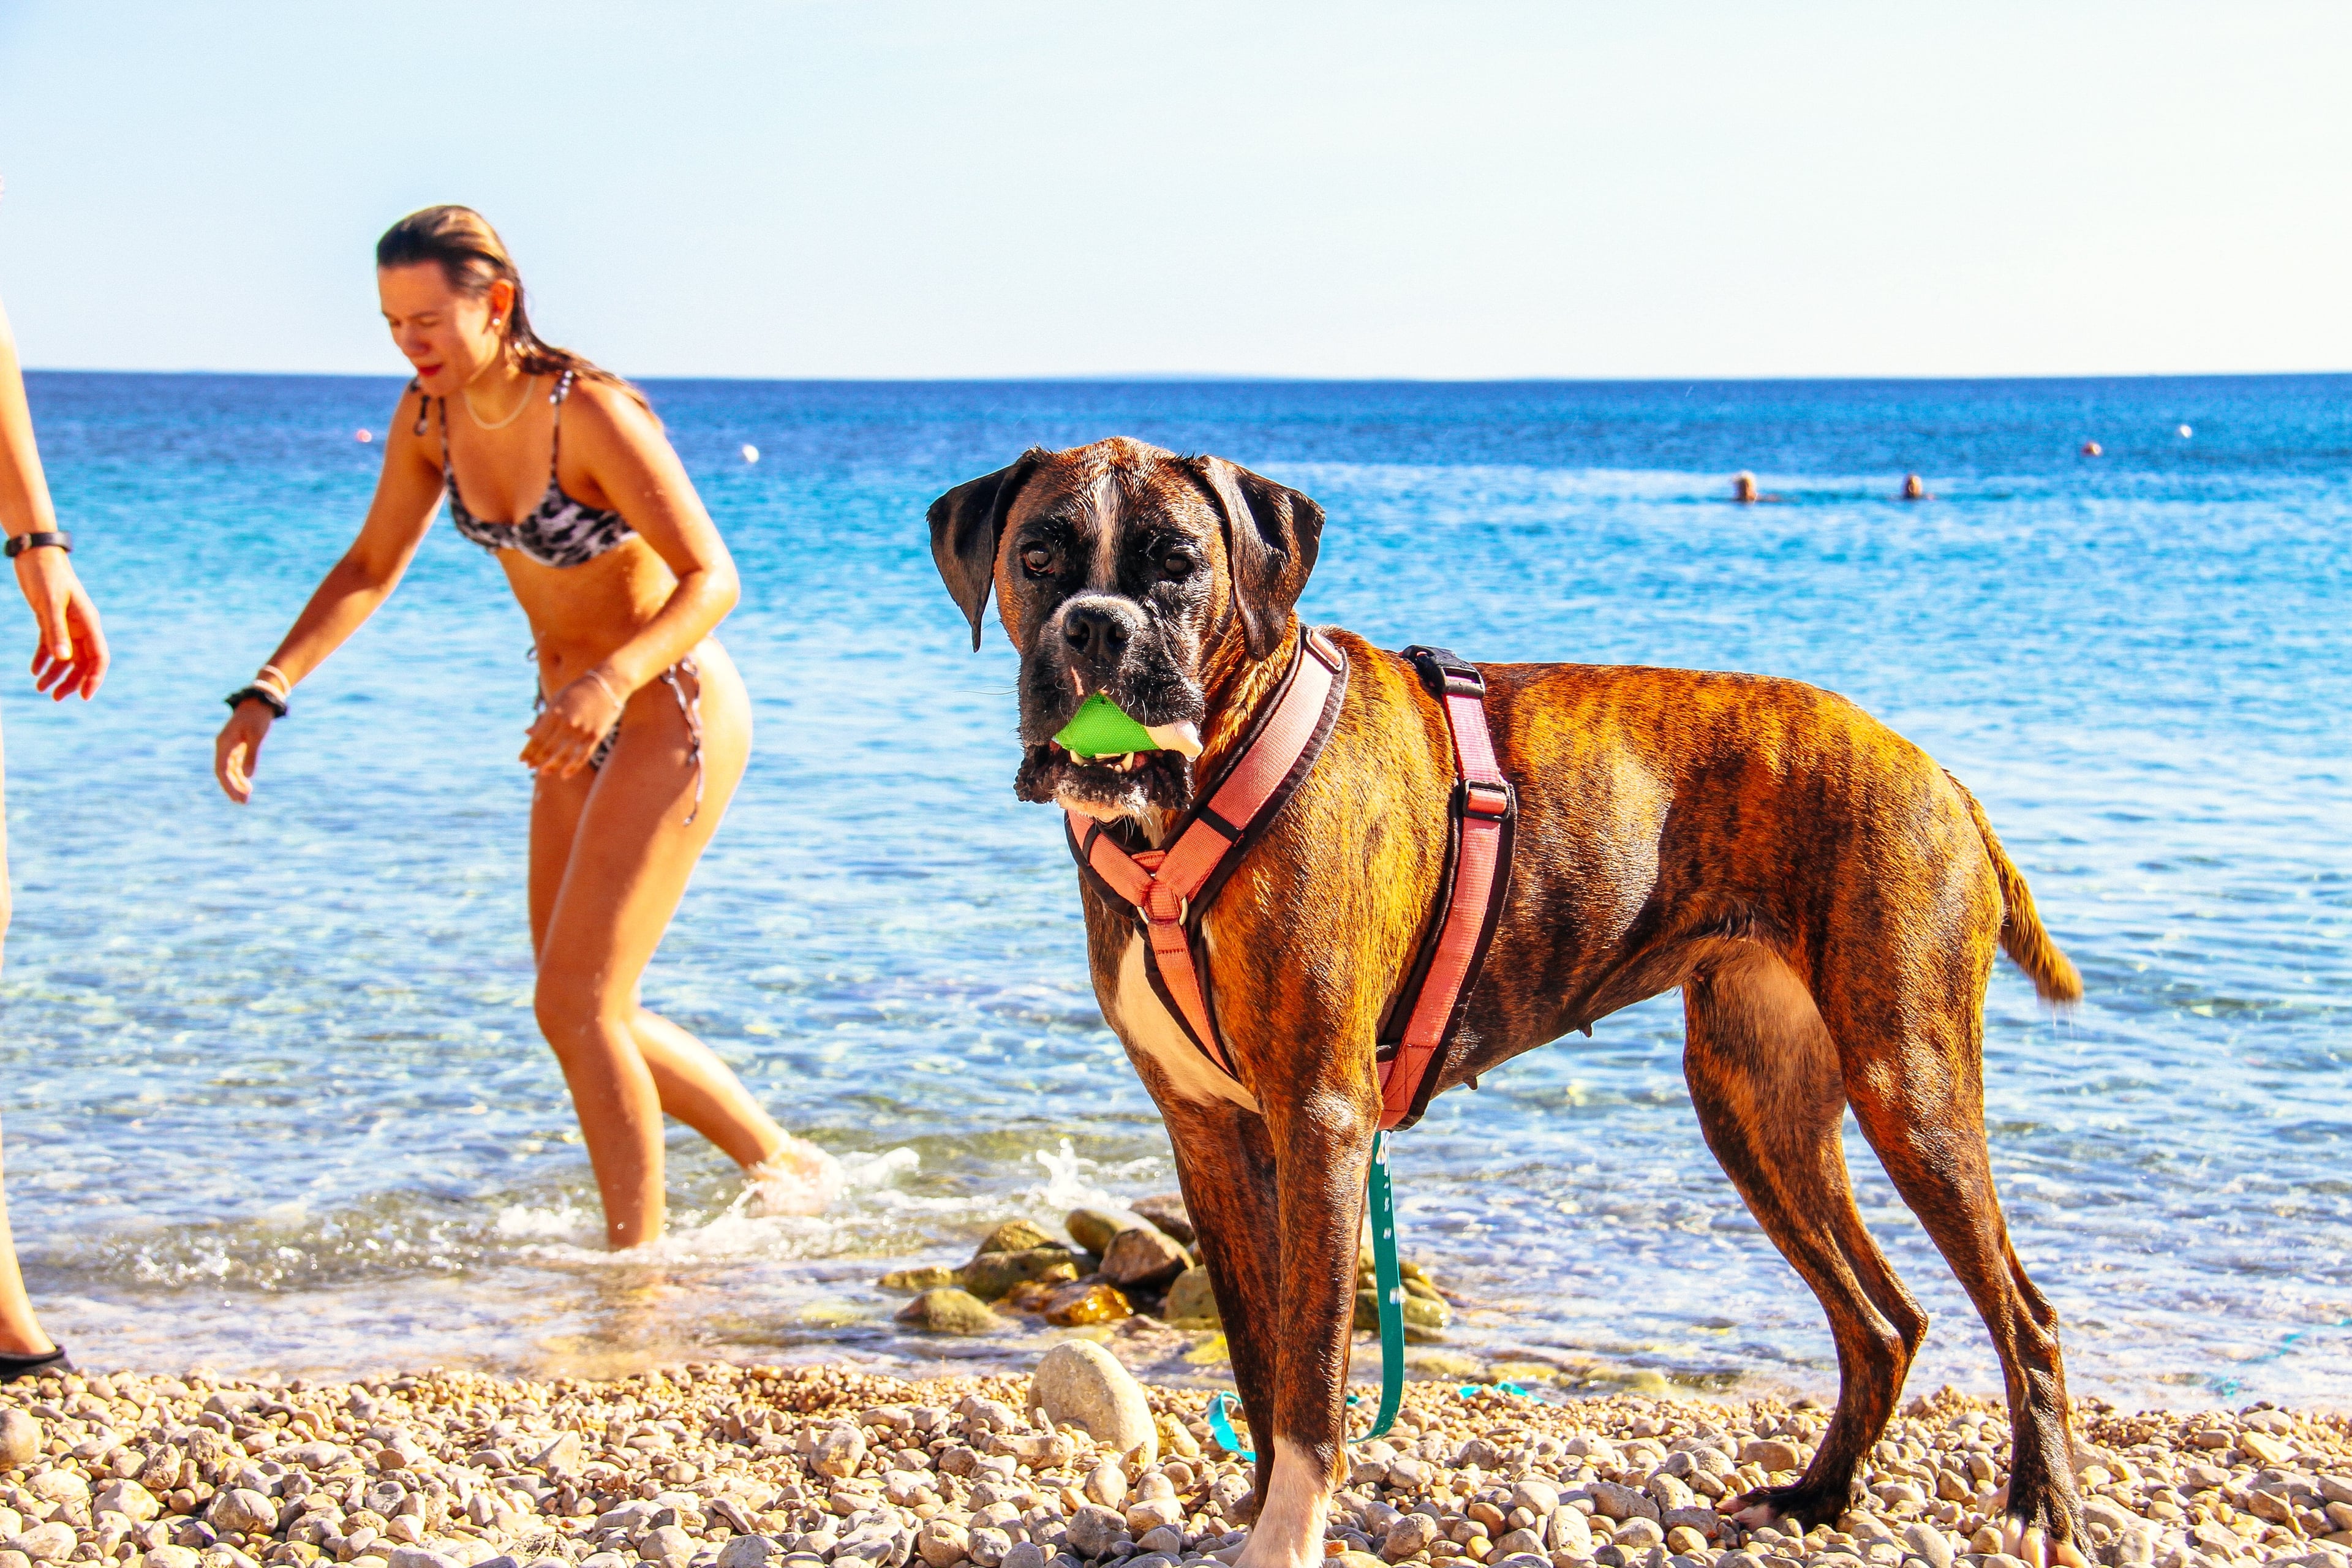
[(1272, 532), (966, 524)]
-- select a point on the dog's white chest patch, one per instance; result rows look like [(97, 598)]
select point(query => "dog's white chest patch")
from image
[(1144, 1023)]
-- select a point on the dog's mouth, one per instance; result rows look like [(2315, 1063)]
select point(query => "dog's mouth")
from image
[(1106, 785)]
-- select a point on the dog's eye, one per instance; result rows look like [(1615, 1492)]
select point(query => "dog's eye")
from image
[(1038, 560), (1176, 563)]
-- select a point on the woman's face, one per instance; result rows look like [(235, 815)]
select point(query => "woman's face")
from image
[(445, 335)]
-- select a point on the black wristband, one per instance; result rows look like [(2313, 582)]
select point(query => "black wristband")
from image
[(20, 542), (262, 694)]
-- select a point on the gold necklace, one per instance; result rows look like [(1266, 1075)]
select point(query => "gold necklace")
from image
[(467, 392)]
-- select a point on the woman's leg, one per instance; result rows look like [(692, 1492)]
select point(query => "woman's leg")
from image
[(20, 1331), (631, 852), (702, 1091)]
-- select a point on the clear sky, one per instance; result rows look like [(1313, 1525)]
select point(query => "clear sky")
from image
[(787, 188)]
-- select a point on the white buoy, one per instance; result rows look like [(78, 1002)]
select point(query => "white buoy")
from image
[(364, 437), (2186, 432), (750, 453)]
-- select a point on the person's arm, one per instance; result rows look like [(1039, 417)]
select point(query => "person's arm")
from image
[(624, 452), (71, 655), (406, 496)]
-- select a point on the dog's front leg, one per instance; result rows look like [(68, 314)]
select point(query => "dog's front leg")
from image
[(1224, 1163), (1322, 1143)]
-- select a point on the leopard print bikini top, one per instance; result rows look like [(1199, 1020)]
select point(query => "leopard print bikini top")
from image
[(560, 531)]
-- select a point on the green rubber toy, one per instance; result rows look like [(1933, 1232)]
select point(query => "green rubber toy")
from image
[(1101, 727)]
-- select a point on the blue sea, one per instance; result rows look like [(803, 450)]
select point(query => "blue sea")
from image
[(274, 1101)]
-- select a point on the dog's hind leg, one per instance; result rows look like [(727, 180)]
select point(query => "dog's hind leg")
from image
[(1764, 1078), (1915, 1072)]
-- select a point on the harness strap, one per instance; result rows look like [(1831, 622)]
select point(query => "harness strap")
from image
[(1171, 889), (1481, 817)]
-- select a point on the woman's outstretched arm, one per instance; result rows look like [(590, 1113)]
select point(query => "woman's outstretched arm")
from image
[(405, 495), (624, 452), (71, 655)]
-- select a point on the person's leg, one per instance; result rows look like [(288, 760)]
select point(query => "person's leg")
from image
[(632, 852), (702, 1091), (20, 1331)]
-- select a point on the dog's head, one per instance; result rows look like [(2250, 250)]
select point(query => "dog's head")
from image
[(1123, 569)]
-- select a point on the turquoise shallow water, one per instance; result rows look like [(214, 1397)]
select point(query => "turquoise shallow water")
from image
[(275, 1099)]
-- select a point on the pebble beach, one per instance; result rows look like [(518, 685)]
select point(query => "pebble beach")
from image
[(720, 1466)]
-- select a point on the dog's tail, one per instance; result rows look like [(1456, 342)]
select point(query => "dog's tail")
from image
[(2022, 935)]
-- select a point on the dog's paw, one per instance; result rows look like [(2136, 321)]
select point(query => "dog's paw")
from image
[(1806, 1505)]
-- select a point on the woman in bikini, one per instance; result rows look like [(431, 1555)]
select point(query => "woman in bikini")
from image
[(644, 728), (70, 659)]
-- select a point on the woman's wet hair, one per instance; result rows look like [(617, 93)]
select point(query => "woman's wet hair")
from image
[(472, 257)]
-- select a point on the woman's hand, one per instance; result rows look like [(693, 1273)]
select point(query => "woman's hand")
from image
[(237, 752), (575, 723), (73, 653)]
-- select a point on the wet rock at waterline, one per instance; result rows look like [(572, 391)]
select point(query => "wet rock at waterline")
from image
[(1144, 1255), (1191, 1301), (992, 1275), (948, 1310)]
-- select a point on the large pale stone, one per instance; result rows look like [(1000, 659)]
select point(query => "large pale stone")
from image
[(748, 1551), (1079, 1383)]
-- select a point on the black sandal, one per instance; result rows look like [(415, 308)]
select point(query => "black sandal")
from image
[(51, 1361)]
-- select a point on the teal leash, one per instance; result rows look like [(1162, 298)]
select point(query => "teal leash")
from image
[(1388, 1282)]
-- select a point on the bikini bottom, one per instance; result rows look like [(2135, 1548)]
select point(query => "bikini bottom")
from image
[(690, 706)]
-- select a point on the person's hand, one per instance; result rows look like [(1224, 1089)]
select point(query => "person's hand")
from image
[(237, 752), (575, 723), (73, 653)]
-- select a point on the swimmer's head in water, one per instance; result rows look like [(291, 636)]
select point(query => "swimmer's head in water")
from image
[(1743, 485), (1913, 489)]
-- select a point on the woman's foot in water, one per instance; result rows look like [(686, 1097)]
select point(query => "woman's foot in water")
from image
[(797, 1178)]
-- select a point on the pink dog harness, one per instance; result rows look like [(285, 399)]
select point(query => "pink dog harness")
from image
[(1171, 888)]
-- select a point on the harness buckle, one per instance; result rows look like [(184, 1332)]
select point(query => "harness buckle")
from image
[(1445, 673), (1475, 797)]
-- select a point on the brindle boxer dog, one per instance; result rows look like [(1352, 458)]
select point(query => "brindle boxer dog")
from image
[(1827, 898)]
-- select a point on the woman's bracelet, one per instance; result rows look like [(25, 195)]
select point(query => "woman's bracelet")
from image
[(262, 694), (270, 688), (607, 687), (54, 539)]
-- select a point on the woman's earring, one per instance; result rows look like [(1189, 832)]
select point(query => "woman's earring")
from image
[(497, 322)]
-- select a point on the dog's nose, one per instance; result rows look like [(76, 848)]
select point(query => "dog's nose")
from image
[(1098, 636)]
